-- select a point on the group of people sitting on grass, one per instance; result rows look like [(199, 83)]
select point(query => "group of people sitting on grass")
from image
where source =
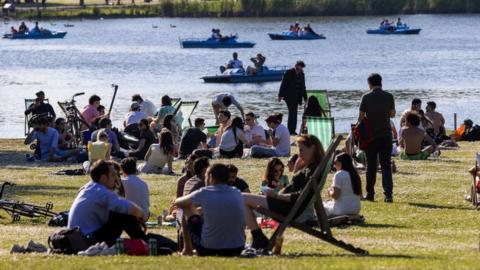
[(213, 205)]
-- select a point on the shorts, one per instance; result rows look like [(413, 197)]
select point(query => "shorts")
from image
[(280, 206), (420, 156), (194, 225)]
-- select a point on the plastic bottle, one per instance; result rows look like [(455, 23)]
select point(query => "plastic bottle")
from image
[(152, 247), (119, 246)]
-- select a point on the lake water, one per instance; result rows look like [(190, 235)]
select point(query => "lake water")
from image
[(440, 64)]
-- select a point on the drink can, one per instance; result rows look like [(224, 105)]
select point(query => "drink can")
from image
[(119, 246), (152, 247)]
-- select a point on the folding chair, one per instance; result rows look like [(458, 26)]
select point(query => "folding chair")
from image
[(474, 190), (322, 96), (28, 117), (185, 110), (63, 106), (322, 128), (312, 191), (175, 101)]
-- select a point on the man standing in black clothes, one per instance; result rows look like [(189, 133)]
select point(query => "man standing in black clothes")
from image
[(41, 109), (378, 106), (293, 91)]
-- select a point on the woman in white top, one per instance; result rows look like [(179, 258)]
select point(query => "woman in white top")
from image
[(233, 140), (346, 189), (159, 155)]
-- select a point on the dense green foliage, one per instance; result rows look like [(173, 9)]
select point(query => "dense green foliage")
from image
[(241, 8)]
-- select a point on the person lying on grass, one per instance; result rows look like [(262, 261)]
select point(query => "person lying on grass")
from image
[(220, 232), (411, 140), (346, 189), (311, 152)]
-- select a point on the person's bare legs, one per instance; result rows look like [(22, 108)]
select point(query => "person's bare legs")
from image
[(429, 150), (187, 239), (216, 111), (251, 202)]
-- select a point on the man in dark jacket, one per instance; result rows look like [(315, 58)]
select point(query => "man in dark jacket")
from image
[(293, 91)]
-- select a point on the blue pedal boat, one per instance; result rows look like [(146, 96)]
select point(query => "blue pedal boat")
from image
[(36, 35), (394, 30), (214, 43), (239, 76), (295, 36)]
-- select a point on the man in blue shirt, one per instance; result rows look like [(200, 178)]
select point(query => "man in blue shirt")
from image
[(220, 232), (102, 215), (47, 141)]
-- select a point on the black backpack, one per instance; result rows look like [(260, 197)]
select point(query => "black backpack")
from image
[(68, 241)]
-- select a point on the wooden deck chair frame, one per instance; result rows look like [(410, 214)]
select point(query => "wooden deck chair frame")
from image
[(474, 193), (315, 184), (186, 116), (63, 106), (175, 102), (28, 117)]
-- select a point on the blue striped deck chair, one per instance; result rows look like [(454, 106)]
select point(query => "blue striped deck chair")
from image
[(322, 96)]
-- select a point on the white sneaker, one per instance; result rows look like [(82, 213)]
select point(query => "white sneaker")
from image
[(91, 251)]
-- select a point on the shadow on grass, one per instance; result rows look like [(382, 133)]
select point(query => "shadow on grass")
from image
[(25, 191), (381, 226), (16, 160), (313, 254), (434, 206)]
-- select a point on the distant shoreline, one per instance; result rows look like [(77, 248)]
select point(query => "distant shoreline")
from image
[(172, 8)]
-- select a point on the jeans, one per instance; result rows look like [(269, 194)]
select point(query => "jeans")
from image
[(292, 116), (380, 148), (116, 224), (262, 152)]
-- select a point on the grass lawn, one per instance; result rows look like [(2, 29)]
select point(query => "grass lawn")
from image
[(429, 226)]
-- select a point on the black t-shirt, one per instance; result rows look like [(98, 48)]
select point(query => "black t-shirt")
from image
[(377, 104), (240, 184), (191, 140), (149, 140), (43, 110)]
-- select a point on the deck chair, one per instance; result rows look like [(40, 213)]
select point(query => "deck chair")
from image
[(185, 110), (322, 96), (175, 101), (322, 128), (475, 195), (28, 117), (63, 106), (312, 191)]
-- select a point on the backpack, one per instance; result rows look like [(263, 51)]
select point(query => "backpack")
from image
[(59, 220), (363, 134), (68, 241)]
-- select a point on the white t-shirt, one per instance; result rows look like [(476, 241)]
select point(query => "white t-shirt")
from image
[(136, 190), (235, 63), (228, 142), (218, 100), (157, 157), (348, 203), (134, 117), (255, 131), (283, 147), (148, 108)]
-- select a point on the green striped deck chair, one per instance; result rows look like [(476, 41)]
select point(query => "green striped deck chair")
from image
[(322, 128), (322, 97), (212, 129), (184, 111)]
